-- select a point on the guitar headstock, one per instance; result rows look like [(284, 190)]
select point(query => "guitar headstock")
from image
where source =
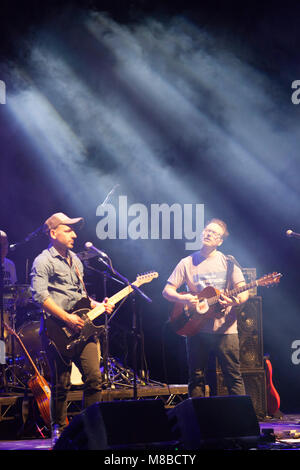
[(146, 277), (269, 279)]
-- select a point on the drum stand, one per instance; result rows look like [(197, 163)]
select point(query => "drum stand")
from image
[(118, 375)]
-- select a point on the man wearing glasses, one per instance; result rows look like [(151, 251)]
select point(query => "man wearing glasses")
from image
[(219, 334)]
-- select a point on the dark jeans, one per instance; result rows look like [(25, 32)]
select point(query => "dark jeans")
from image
[(226, 349), (88, 362)]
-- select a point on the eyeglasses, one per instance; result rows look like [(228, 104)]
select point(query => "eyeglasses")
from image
[(211, 232)]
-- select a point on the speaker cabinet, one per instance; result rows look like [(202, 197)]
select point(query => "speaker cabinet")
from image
[(126, 424), (255, 385), (251, 334), (251, 357), (216, 422)]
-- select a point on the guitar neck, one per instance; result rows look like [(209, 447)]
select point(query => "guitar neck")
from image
[(234, 292), (28, 355), (240, 289), (92, 314)]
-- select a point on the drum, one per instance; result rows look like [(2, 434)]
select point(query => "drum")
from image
[(27, 313), (76, 377), (19, 294), (9, 297), (23, 294), (20, 369)]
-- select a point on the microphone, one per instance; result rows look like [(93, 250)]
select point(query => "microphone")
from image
[(13, 247), (290, 233), (90, 246)]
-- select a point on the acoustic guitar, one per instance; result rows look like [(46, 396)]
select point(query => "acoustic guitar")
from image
[(189, 322), (37, 384), (69, 343)]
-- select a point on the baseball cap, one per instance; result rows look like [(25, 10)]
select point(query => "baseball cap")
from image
[(60, 218)]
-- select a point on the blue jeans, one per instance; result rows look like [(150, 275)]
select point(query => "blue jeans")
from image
[(226, 349)]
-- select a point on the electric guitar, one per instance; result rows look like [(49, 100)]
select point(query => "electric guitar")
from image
[(69, 343), (188, 322), (273, 397)]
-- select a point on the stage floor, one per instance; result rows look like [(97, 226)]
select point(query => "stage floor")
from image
[(285, 432), (277, 434)]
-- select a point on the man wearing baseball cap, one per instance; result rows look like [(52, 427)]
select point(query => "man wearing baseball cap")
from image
[(57, 285)]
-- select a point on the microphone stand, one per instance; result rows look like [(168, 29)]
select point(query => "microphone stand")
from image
[(106, 347), (29, 237), (135, 334), (106, 275), (106, 328)]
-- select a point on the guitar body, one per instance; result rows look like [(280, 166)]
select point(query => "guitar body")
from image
[(188, 322), (41, 391), (67, 341)]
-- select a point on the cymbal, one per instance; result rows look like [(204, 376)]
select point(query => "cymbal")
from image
[(16, 287), (10, 291), (18, 292)]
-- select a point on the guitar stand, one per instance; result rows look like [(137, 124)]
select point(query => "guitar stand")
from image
[(30, 427)]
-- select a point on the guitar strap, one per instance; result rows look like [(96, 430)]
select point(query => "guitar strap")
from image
[(80, 279), (231, 261)]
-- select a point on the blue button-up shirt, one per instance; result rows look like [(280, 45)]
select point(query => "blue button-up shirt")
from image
[(52, 276)]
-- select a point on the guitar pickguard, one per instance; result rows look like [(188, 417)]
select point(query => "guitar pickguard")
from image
[(88, 330)]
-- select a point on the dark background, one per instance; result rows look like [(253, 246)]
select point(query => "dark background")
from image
[(231, 144)]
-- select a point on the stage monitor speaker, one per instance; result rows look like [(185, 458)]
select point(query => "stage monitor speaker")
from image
[(126, 424), (215, 423)]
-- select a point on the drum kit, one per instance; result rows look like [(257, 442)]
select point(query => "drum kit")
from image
[(22, 316)]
